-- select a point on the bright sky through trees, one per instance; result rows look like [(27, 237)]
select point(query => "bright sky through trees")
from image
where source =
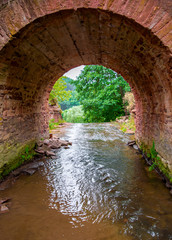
[(75, 72)]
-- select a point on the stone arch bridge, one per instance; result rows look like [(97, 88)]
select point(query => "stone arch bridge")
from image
[(42, 39)]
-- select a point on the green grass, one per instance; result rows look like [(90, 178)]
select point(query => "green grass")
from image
[(156, 160), (53, 124), (128, 125)]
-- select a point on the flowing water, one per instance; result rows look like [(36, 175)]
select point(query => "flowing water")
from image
[(97, 189)]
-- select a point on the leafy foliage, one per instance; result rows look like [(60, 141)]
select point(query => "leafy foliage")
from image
[(53, 124), (154, 156), (74, 115), (28, 154), (71, 102), (100, 91), (59, 93), (129, 102), (128, 124)]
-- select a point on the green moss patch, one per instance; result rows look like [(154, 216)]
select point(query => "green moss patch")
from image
[(14, 155), (155, 160)]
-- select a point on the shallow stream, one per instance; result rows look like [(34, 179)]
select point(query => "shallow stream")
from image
[(98, 189)]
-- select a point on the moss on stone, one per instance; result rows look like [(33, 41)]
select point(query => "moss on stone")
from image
[(13, 155), (153, 155)]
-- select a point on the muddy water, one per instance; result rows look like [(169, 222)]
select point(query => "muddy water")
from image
[(97, 189)]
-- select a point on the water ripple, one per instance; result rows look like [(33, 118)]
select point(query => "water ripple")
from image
[(100, 179)]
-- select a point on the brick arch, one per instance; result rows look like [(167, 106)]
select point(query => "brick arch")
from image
[(44, 39)]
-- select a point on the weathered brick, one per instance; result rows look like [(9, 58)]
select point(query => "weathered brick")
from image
[(40, 42)]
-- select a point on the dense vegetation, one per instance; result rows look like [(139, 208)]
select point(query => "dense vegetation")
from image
[(59, 92), (74, 115), (100, 91), (72, 100)]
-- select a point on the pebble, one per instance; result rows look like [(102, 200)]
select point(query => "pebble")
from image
[(4, 209)]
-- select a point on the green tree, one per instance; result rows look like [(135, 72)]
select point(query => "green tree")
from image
[(71, 102), (59, 93), (74, 114), (100, 91)]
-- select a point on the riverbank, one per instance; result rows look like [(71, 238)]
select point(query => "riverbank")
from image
[(126, 124), (96, 184)]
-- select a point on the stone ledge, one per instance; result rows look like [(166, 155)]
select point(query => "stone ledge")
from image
[(11, 155)]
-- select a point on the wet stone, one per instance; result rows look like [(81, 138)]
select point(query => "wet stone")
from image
[(63, 143), (131, 143), (6, 184), (66, 147), (29, 168), (40, 151), (135, 147), (29, 171), (55, 146), (46, 141), (36, 164), (4, 209), (5, 200), (49, 154)]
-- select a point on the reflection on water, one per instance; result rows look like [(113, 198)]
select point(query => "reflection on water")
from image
[(99, 188)]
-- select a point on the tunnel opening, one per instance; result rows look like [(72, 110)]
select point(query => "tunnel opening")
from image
[(90, 93), (49, 46)]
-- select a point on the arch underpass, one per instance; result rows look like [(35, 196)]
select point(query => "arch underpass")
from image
[(41, 40)]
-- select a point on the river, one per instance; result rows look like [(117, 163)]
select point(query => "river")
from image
[(98, 189)]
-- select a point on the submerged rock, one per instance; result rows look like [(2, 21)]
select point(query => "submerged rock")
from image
[(29, 168), (66, 147), (35, 164), (6, 183), (4, 205), (131, 143), (168, 185), (4, 209), (29, 171), (135, 147), (5, 200)]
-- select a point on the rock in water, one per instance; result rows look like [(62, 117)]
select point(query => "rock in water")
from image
[(4, 209), (63, 143), (46, 141), (55, 146), (5, 200), (135, 147), (131, 143), (35, 164), (40, 151), (49, 154)]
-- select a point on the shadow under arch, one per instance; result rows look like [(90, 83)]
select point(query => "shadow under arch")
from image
[(49, 46)]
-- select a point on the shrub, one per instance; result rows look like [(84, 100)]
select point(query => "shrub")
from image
[(74, 115), (53, 124)]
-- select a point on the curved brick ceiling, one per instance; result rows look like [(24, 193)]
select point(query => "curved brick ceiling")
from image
[(39, 43)]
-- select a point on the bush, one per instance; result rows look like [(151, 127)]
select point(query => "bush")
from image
[(74, 115), (129, 102), (53, 124)]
